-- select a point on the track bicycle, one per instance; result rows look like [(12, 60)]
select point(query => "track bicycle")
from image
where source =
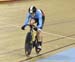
[(31, 40)]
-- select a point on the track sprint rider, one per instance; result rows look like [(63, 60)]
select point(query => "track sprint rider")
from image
[(37, 16)]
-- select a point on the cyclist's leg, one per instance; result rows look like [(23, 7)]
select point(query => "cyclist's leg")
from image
[(39, 37), (39, 34)]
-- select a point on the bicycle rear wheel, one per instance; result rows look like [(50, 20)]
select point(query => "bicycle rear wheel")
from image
[(28, 44), (36, 45)]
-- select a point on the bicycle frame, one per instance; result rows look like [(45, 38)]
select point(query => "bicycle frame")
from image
[(29, 41), (31, 30)]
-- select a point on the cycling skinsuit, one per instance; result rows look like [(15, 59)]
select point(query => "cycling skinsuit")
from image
[(39, 18)]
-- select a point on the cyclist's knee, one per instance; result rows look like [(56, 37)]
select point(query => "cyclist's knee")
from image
[(39, 35), (32, 22)]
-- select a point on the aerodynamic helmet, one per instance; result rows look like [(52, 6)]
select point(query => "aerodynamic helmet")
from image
[(32, 9)]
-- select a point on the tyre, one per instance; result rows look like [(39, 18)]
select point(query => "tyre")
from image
[(28, 44)]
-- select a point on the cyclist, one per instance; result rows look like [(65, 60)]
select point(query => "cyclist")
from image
[(37, 16)]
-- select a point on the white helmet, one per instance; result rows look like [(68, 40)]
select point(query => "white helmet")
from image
[(32, 10)]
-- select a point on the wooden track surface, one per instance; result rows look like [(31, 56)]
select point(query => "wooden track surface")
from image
[(58, 32)]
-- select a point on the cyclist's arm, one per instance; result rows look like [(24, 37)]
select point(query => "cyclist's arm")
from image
[(40, 21), (27, 20)]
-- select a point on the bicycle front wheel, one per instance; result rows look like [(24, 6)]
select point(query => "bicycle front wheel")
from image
[(28, 44)]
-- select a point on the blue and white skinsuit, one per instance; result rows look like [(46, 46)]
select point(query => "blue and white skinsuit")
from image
[(39, 18)]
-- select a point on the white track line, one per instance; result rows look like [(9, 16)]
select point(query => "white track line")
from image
[(44, 32), (58, 35), (9, 24)]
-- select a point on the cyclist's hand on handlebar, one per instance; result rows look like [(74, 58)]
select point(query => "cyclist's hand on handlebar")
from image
[(23, 27)]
